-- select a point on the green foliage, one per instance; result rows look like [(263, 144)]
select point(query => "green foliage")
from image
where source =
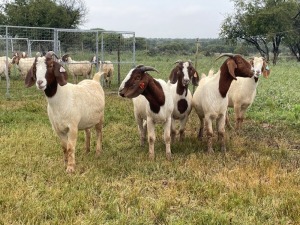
[(260, 22), (43, 13)]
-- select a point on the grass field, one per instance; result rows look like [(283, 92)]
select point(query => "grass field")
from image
[(256, 182)]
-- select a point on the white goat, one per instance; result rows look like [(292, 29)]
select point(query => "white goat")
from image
[(242, 91), (5, 66), (210, 99), (24, 64), (152, 103), (71, 107), (107, 67), (180, 78), (77, 68)]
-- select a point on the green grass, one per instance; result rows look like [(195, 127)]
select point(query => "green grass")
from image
[(256, 182)]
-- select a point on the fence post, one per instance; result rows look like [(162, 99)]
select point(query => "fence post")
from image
[(196, 57), (6, 69)]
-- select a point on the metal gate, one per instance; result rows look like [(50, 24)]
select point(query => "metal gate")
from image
[(117, 47)]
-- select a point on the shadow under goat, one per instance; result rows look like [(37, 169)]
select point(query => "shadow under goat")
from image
[(180, 78), (71, 107), (152, 103)]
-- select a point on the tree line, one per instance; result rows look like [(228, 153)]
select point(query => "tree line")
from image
[(266, 26)]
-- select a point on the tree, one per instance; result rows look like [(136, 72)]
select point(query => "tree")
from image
[(260, 22), (293, 40), (43, 13)]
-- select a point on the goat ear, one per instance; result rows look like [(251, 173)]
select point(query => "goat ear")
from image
[(30, 78), (173, 76), (195, 79), (266, 70), (231, 65), (60, 74)]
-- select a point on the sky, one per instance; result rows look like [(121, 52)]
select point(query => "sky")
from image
[(159, 18)]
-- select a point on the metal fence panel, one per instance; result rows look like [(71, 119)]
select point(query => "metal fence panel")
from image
[(116, 47)]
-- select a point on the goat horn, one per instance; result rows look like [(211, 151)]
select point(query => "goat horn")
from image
[(50, 54), (148, 68), (226, 54)]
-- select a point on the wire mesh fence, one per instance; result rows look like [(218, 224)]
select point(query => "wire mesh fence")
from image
[(94, 47)]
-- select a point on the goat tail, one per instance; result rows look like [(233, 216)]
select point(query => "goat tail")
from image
[(97, 76)]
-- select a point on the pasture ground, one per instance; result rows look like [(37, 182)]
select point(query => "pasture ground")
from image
[(256, 182)]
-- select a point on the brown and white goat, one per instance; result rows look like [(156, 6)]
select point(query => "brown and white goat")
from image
[(210, 99), (242, 91), (71, 107), (23, 63), (152, 103), (180, 77)]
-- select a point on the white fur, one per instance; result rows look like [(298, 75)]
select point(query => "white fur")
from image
[(108, 71), (74, 107), (209, 104), (79, 68), (24, 65), (144, 115), (242, 92)]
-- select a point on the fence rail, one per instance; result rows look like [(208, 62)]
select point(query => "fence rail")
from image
[(118, 47)]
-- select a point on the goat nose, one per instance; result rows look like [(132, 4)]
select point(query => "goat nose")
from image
[(39, 82)]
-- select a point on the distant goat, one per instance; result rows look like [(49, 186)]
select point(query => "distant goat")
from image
[(107, 67), (23, 63), (242, 91), (77, 68)]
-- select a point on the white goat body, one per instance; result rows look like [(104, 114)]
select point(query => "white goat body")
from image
[(71, 107), (107, 67), (210, 99), (77, 68), (24, 65), (242, 91)]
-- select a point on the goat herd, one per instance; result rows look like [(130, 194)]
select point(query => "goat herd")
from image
[(73, 107)]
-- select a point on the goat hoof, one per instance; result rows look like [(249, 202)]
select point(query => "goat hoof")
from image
[(169, 156), (151, 156), (210, 150), (70, 169)]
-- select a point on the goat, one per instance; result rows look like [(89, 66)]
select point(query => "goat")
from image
[(71, 107), (210, 99), (24, 63), (152, 103), (5, 65), (242, 91), (108, 71), (77, 68), (180, 78)]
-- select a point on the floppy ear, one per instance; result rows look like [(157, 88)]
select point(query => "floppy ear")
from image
[(266, 70), (231, 65), (173, 76), (60, 74), (30, 78), (195, 78)]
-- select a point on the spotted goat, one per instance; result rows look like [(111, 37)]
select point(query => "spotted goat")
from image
[(180, 78), (152, 103)]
